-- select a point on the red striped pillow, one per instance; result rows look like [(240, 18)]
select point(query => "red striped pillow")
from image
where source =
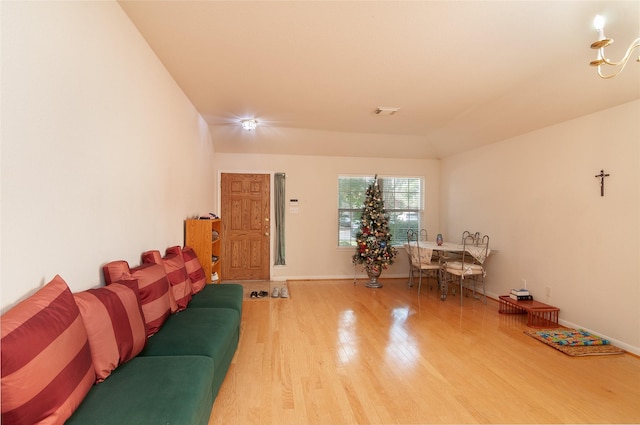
[(115, 324), (115, 270), (154, 257), (46, 359), (154, 290), (176, 273), (194, 269), (178, 277)]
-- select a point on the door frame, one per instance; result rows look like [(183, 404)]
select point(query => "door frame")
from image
[(271, 206)]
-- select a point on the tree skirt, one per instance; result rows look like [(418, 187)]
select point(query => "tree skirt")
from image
[(575, 342)]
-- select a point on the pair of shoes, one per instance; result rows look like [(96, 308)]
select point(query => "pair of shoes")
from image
[(256, 294), (284, 293)]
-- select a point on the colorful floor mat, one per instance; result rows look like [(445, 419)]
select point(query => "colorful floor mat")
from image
[(575, 342)]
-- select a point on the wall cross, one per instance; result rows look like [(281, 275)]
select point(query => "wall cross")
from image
[(602, 175)]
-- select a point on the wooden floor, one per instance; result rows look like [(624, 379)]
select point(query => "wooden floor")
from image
[(339, 353)]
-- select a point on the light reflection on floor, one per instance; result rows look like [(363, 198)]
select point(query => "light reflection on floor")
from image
[(402, 349), (347, 340)]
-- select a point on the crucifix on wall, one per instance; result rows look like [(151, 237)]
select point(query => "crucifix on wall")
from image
[(602, 175)]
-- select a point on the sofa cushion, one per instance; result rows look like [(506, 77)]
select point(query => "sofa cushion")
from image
[(196, 332), (194, 269), (154, 290), (226, 295), (46, 359), (176, 273), (151, 390), (115, 324), (211, 332)]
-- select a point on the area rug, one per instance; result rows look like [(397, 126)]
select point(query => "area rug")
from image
[(575, 342)]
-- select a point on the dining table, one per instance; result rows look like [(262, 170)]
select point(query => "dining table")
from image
[(476, 251)]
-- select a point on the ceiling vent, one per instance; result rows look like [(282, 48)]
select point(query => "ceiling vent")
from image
[(386, 110)]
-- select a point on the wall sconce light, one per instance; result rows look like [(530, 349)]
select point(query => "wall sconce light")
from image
[(249, 124), (603, 42)]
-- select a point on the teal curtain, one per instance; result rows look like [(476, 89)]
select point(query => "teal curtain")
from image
[(280, 201)]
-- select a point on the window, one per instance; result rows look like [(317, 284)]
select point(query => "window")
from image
[(403, 203)]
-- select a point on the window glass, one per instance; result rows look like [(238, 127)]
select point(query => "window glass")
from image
[(403, 203)]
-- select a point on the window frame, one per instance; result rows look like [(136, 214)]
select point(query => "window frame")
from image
[(350, 206)]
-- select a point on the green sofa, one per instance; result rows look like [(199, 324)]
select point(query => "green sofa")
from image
[(151, 346), (177, 376)]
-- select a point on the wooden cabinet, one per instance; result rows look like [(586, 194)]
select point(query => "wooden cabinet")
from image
[(204, 237)]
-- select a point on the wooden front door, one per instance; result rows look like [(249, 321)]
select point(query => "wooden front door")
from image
[(246, 226)]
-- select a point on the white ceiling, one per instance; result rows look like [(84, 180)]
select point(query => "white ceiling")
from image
[(463, 73)]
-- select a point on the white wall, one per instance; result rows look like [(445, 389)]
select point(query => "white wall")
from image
[(536, 195), (311, 234), (103, 156)]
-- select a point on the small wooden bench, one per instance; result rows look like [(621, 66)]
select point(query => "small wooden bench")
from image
[(539, 315)]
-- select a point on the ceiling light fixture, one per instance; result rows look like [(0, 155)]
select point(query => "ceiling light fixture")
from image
[(603, 42), (249, 124), (386, 110)]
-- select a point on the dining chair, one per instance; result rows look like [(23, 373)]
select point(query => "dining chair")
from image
[(476, 237), (420, 260), (411, 235), (471, 265)]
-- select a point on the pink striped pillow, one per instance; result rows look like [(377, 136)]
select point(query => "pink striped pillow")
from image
[(194, 269), (154, 290), (46, 359), (115, 324), (174, 267), (154, 257), (115, 270)]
